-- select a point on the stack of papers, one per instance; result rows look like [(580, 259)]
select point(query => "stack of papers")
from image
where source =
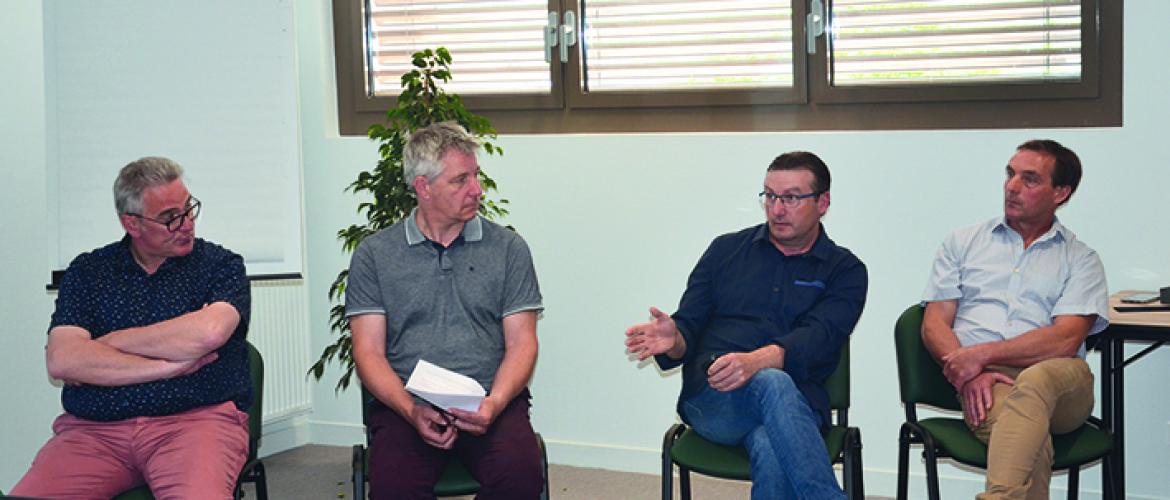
[(445, 388)]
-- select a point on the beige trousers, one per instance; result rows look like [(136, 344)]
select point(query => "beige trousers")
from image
[(1054, 396)]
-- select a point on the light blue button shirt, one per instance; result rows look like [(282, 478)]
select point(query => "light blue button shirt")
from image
[(1004, 290)]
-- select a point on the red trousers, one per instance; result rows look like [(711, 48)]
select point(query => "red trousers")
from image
[(194, 454)]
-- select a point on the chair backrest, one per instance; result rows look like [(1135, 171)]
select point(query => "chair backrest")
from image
[(256, 412), (837, 385), (367, 398), (920, 378)]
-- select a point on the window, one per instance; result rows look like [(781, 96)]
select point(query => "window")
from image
[(540, 66), (500, 44), (648, 46), (1025, 41)]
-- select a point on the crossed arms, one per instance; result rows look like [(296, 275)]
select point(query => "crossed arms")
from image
[(167, 349)]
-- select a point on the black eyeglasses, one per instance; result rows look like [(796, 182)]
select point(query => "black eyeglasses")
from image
[(789, 200), (174, 222)]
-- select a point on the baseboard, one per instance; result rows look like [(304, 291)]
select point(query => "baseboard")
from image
[(884, 483), (610, 457), (878, 482), (620, 458), (284, 432), (336, 433)]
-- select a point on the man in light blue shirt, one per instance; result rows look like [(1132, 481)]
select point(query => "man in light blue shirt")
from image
[(1008, 307)]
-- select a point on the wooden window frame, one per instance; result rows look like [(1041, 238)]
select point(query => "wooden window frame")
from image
[(1096, 101)]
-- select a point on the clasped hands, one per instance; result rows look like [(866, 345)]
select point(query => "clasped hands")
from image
[(440, 428)]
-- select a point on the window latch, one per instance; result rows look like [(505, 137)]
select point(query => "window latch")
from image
[(814, 24), (550, 36), (568, 34)]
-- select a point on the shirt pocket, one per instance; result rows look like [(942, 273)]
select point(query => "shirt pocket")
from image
[(1042, 284), (801, 294)]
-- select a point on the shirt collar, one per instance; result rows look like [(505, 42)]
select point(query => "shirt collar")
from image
[(820, 249), (1055, 233), (472, 229), (126, 256)]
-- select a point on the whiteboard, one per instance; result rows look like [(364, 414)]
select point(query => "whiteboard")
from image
[(209, 84)]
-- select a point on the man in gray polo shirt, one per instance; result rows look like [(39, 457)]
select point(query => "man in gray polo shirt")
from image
[(450, 287)]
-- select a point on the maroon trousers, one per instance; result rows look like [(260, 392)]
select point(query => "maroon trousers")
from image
[(505, 460)]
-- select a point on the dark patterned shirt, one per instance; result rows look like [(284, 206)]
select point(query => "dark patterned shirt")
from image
[(106, 290)]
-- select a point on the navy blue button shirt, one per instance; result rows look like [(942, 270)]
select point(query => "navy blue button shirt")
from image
[(744, 294), (106, 290)]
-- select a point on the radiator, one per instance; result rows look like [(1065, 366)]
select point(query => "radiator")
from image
[(280, 331)]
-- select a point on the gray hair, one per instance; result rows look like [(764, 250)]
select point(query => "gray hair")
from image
[(426, 147), (138, 176)]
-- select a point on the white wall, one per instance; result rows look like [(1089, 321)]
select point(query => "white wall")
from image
[(131, 79), (30, 404), (615, 223)]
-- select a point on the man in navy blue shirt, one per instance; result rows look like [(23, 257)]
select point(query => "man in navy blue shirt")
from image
[(148, 336), (760, 328)]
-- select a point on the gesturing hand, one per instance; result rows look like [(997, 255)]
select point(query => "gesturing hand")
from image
[(433, 427), (653, 337)]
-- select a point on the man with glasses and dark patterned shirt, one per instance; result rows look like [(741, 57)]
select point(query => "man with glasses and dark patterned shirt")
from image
[(758, 331), (148, 337)]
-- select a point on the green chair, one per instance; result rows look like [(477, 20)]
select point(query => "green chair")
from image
[(921, 382), (253, 470), (684, 447), (455, 480)]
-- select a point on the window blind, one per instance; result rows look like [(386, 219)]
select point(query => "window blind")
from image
[(682, 45), (215, 93), (883, 42), (497, 47)]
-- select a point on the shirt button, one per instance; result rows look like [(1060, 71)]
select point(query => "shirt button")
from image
[(1016, 270), (775, 289)]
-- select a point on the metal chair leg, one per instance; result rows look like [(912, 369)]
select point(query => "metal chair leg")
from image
[(684, 483), (903, 463), (854, 473), (261, 481), (931, 472), (1074, 481), (543, 464), (359, 472)]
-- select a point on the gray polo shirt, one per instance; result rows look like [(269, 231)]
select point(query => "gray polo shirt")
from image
[(443, 305)]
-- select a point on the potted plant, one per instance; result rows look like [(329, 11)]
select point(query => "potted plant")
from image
[(421, 103)]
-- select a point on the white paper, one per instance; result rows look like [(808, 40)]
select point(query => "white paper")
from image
[(445, 388)]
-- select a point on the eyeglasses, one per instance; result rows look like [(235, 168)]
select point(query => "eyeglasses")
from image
[(174, 222), (768, 199)]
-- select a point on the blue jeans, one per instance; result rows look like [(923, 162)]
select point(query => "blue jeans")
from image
[(770, 418)]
